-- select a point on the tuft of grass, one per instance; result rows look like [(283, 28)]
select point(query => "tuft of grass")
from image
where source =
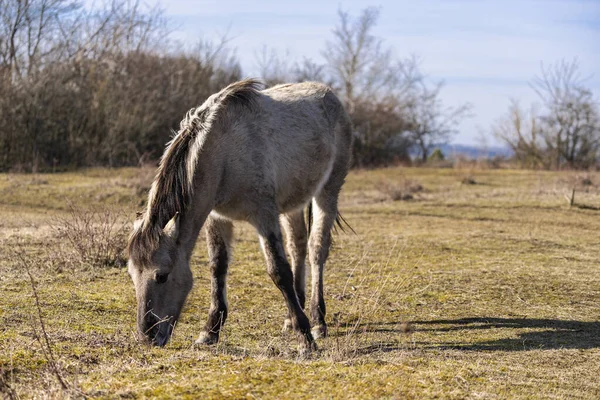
[(405, 189), (468, 180)]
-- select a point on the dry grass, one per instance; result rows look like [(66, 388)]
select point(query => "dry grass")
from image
[(475, 291)]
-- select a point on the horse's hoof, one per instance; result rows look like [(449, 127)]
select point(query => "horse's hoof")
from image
[(306, 349), (206, 338), (319, 331), (287, 325)]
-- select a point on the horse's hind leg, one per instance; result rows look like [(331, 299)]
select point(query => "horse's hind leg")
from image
[(281, 273), (218, 239), (324, 215), (296, 238)]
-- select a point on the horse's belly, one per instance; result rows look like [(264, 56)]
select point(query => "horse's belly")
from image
[(294, 194)]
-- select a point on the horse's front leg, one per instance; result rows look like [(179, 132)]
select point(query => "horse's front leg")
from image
[(281, 273), (218, 240)]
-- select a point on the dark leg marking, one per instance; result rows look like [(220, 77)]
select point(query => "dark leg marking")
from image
[(218, 236), (281, 273)]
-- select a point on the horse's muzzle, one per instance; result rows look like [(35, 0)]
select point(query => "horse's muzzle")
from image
[(155, 331)]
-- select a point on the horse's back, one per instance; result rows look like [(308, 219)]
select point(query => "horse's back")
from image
[(288, 144), (302, 117), (304, 139), (305, 102)]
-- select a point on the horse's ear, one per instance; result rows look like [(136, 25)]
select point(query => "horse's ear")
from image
[(172, 227)]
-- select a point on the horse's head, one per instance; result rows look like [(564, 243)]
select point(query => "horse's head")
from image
[(162, 280)]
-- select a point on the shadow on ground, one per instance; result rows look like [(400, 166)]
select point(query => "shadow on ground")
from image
[(539, 334), (519, 334)]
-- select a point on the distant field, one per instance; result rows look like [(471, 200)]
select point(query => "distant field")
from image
[(475, 284)]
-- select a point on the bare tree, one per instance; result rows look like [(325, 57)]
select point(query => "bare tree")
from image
[(308, 70), (27, 33), (273, 69), (430, 122), (570, 125), (374, 86), (358, 60), (520, 130), (565, 132)]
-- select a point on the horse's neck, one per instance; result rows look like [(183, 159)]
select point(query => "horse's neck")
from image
[(205, 186), (192, 222)]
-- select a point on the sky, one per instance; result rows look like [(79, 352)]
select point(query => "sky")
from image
[(486, 52)]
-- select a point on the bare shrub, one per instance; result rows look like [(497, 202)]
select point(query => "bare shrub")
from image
[(581, 181), (402, 190), (89, 85), (584, 180), (92, 236), (468, 180)]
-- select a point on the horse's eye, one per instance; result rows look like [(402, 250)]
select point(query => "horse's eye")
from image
[(161, 278)]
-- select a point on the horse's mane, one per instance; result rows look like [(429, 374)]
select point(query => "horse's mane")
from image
[(172, 188)]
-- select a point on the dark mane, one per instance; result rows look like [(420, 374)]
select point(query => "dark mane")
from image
[(242, 93), (172, 189)]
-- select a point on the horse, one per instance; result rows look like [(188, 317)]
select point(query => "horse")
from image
[(246, 154)]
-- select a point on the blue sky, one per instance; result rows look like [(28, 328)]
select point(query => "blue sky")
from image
[(485, 51)]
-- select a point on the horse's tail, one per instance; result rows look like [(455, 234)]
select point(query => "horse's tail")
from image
[(340, 221), (339, 119)]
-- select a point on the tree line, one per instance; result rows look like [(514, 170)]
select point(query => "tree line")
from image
[(105, 87)]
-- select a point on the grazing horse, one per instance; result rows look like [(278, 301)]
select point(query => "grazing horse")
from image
[(260, 156)]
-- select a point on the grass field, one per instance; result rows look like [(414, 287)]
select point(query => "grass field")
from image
[(485, 284)]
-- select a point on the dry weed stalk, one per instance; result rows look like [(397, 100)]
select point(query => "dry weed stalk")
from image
[(42, 339), (571, 199), (6, 390), (361, 309)]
